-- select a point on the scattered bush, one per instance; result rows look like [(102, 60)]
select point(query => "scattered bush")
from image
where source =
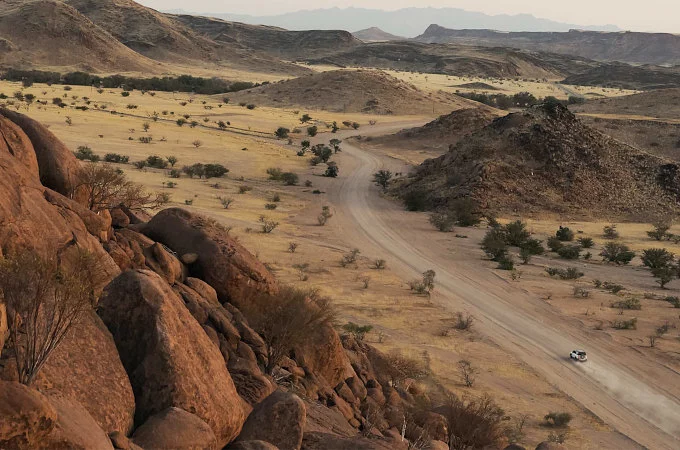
[(325, 215), (350, 258), (564, 234), (312, 131), (473, 423), (557, 419), (226, 202), (629, 304), (290, 178), (630, 324), (463, 321), (268, 225), (442, 221), (570, 273), (282, 133), (359, 332), (85, 153), (516, 233), (610, 232), (586, 242), (617, 253), (332, 170), (214, 171), (270, 206), (656, 258), (382, 178), (157, 162), (116, 158), (569, 252), (244, 189), (660, 231), (554, 244), (494, 244)]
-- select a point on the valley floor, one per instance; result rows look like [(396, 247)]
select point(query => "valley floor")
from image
[(626, 396)]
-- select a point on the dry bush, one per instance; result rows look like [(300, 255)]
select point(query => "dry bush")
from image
[(108, 187), (287, 320), (473, 423), (44, 301), (467, 372), (401, 368)]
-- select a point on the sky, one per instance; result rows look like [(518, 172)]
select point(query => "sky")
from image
[(649, 15)]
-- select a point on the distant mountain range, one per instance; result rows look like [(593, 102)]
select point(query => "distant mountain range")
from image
[(408, 22)]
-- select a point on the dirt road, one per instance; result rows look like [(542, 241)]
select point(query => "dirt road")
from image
[(633, 395)]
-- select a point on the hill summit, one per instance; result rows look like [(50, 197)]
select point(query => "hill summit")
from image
[(546, 160)]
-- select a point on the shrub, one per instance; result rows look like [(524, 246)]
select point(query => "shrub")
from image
[(288, 320), (610, 232), (494, 244), (214, 171), (145, 139), (382, 178), (612, 287), (473, 423), (358, 331), (656, 258), (270, 206), (332, 170), (156, 162), (312, 131), (532, 247), (45, 298), (564, 234), (116, 158), (516, 233), (463, 321), (274, 173), (250, 106), (629, 303), (525, 255), (108, 188), (85, 153), (401, 368), (630, 324), (442, 221), (197, 143), (569, 252), (660, 231), (586, 242), (664, 275), (172, 160), (350, 258), (581, 292), (226, 202), (617, 253), (570, 273), (268, 225), (325, 215), (282, 133), (506, 263), (414, 200), (466, 212), (379, 264), (558, 419), (290, 178), (554, 244)]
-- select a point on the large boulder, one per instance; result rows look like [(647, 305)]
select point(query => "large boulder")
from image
[(220, 261), (59, 169), (87, 369), (13, 141), (545, 445), (325, 357), (279, 419), (327, 441), (169, 358), (26, 416), (175, 429), (252, 445), (75, 428)]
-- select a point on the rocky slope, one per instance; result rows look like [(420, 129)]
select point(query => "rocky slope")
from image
[(35, 33), (546, 160), (360, 91), (375, 34), (629, 47), (275, 41), (167, 359), (459, 60)]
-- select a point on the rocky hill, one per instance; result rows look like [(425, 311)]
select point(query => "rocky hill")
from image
[(623, 76), (629, 47), (364, 91), (662, 104), (275, 41), (442, 132), (375, 34), (173, 350), (35, 33), (459, 60), (546, 160)]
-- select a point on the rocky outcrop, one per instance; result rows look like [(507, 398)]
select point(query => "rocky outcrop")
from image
[(87, 369), (58, 169), (326, 441), (75, 428), (176, 429), (14, 142), (279, 420), (26, 416), (169, 358), (223, 263)]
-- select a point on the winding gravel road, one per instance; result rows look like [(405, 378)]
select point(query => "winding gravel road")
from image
[(637, 397)]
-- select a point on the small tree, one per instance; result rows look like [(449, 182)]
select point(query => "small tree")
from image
[(325, 215), (558, 419), (610, 232), (172, 160), (335, 145), (197, 143), (656, 258), (226, 202), (358, 331), (617, 253), (312, 131), (664, 275), (564, 234), (305, 118), (288, 320), (467, 372), (268, 225), (494, 244), (107, 187), (382, 178), (660, 231), (516, 233), (45, 300), (473, 423), (442, 221), (290, 178), (282, 133), (332, 170)]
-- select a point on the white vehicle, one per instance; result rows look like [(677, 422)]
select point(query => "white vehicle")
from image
[(578, 355)]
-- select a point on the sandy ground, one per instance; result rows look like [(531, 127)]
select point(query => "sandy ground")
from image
[(523, 329)]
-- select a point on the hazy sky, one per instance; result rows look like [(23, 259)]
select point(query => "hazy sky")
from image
[(648, 15)]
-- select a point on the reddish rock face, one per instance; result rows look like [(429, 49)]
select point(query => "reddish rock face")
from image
[(223, 263), (279, 420), (59, 170), (26, 416), (14, 142), (169, 358), (177, 429)]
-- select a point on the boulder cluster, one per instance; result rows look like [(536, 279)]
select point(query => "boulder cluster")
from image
[(166, 359)]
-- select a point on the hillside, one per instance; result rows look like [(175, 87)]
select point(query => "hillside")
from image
[(459, 60), (164, 38), (277, 42), (361, 91), (630, 47), (50, 33), (442, 132), (663, 104), (623, 76), (545, 160), (375, 34)]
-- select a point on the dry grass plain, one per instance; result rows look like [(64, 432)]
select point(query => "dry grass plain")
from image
[(402, 322)]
